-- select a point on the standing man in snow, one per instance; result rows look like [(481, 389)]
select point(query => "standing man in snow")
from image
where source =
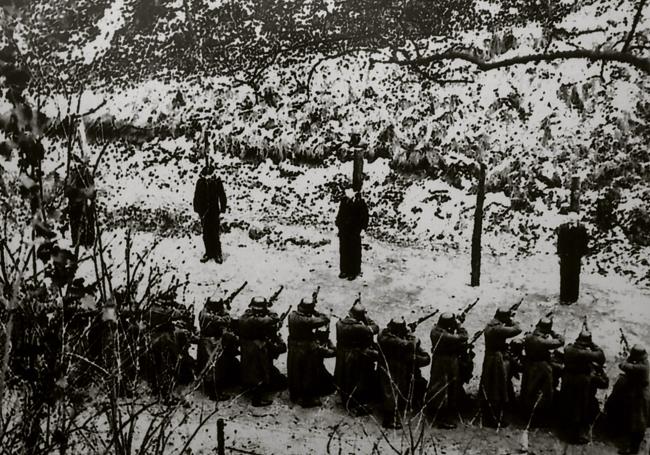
[(80, 192), (351, 219), (572, 244), (209, 203)]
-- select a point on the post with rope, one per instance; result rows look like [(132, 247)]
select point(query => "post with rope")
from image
[(357, 170)]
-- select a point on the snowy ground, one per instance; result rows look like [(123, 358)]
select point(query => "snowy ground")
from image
[(397, 281)]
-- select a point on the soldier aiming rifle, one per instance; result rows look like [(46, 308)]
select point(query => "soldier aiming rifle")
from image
[(228, 300), (625, 344), (463, 314), (275, 296), (413, 325)]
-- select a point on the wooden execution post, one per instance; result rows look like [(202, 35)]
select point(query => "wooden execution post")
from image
[(357, 170), (574, 204), (478, 228), (221, 445)]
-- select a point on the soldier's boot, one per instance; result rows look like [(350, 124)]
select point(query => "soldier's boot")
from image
[(219, 258), (261, 399), (205, 258), (309, 402)]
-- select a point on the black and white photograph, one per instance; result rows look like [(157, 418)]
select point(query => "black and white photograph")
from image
[(338, 227)]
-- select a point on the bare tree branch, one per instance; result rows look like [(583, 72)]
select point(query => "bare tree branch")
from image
[(579, 54), (635, 23)]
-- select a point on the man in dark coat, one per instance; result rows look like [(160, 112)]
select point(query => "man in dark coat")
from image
[(351, 219), (356, 353), (80, 192), (628, 406), (260, 344), (402, 386), (217, 349), (538, 380), (582, 376), (209, 203), (448, 344), (494, 389), (308, 378), (572, 244)]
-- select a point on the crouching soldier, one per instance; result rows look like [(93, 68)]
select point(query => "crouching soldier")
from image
[(538, 379), (400, 359), (582, 376), (494, 389), (217, 350), (308, 378), (628, 407), (356, 354), (259, 341), (448, 344)]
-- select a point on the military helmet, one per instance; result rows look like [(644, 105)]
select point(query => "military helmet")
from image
[(214, 305), (357, 310), (397, 326), (545, 325), (258, 303), (638, 353), (446, 320), (503, 313), (584, 336), (307, 304)]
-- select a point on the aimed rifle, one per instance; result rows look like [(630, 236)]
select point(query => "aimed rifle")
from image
[(624, 342), (463, 314), (228, 300), (283, 316), (475, 338), (314, 295), (414, 324), (515, 307), (275, 296), (585, 324)]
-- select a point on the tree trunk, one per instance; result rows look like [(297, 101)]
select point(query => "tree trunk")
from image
[(574, 204), (478, 228), (357, 172)]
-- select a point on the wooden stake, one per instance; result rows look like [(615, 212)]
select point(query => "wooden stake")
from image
[(478, 228), (221, 446), (357, 171), (574, 204)]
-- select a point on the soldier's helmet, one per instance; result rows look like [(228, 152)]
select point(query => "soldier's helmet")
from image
[(503, 313), (258, 304), (638, 353), (357, 311), (584, 337), (397, 326), (545, 325), (307, 305), (214, 305), (446, 320)]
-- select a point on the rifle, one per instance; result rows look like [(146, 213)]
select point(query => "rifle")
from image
[(515, 307), (228, 300), (414, 324), (585, 324), (475, 338), (463, 314), (275, 296), (624, 342), (314, 295), (283, 316)]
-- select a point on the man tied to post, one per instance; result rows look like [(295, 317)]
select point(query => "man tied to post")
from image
[(572, 244), (351, 219), (80, 192), (209, 203)]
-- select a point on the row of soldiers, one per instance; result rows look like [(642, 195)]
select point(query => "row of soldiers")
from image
[(372, 366), (388, 370)]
